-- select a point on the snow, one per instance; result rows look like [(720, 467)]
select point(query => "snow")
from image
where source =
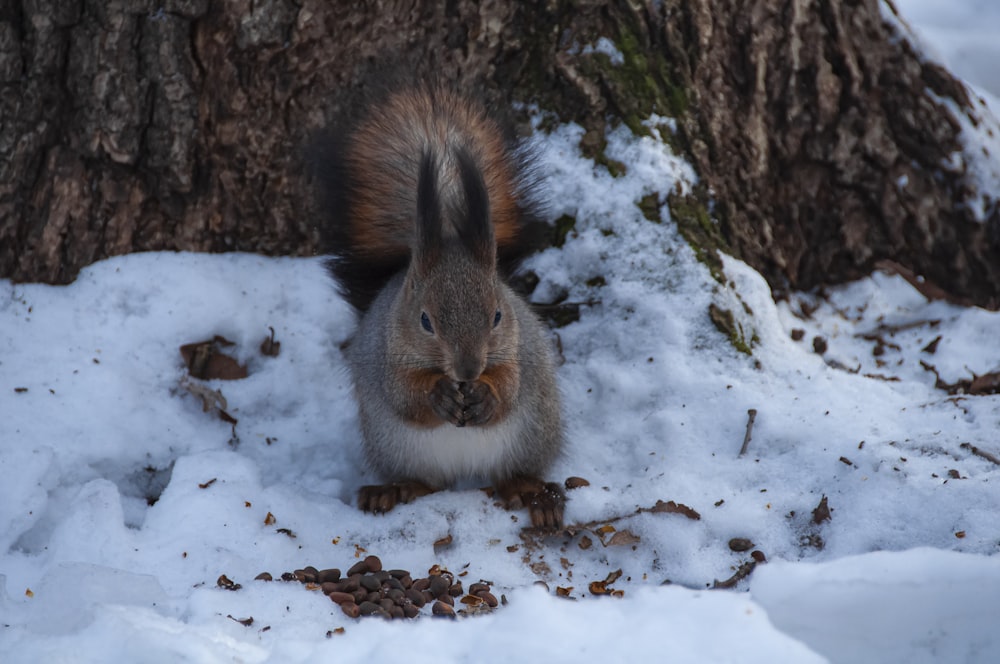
[(97, 420)]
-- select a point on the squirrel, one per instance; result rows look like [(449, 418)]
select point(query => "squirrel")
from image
[(452, 371)]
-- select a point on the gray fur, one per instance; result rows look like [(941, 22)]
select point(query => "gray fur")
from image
[(525, 443)]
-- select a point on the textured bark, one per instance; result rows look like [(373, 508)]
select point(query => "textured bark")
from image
[(829, 144), (180, 124)]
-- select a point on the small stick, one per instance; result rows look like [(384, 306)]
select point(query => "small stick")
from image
[(980, 453), (742, 572), (751, 415)]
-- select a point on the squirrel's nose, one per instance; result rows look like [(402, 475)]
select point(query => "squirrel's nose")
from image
[(468, 368)]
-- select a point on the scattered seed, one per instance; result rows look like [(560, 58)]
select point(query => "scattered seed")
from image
[(740, 544), (442, 610)]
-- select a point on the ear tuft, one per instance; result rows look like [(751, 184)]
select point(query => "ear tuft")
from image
[(428, 231), (476, 227)]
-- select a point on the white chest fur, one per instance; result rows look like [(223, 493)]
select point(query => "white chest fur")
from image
[(447, 453)]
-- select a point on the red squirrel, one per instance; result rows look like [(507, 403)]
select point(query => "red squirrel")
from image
[(452, 371)]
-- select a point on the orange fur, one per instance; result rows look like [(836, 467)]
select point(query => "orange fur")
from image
[(383, 155), (504, 381)]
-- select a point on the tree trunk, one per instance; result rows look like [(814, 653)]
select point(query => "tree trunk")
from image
[(131, 126), (831, 145)]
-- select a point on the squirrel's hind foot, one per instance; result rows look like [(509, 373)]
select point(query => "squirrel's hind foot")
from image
[(380, 498), (544, 500)]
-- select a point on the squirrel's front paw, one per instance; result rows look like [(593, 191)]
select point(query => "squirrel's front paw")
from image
[(480, 402), (448, 401)]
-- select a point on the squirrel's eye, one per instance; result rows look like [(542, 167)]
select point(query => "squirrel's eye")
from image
[(496, 318), (425, 322)]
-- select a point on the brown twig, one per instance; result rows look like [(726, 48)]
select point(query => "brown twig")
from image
[(980, 453), (751, 416), (742, 572)]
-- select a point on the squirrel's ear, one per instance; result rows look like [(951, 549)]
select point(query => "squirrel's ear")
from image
[(428, 231), (476, 228)]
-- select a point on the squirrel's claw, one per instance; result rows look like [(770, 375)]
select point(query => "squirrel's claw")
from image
[(480, 403), (380, 498), (545, 500), (448, 401)]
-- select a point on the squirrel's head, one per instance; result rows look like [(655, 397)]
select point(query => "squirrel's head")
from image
[(455, 315)]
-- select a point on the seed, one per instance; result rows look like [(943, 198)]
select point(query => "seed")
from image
[(305, 577), (370, 583), (360, 595), (398, 573), (392, 583), (386, 604), (381, 576), (410, 611), (396, 595), (475, 588), (740, 544), (359, 567), (439, 585), (341, 598), (263, 576), (416, 597), (309, 569), (428, 596), (374, 596), (351, 609), (396, 612), (332, 575), (443, 610), (368, 608), (489, 598), (373, 563), (351, 583), (456, 590), (330, 587), (447, 599), (421, 584), (406, 581)]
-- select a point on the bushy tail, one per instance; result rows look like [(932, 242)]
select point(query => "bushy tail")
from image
[(368, 170)]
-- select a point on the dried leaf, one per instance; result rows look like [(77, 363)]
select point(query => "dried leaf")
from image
[(605, 529), (931, 348), (670, 507), (586, 542), (205, 361), (269, 346), (985, 384), (822, 511), (563, 592), (623, 538), (269, 520), (225, 582)]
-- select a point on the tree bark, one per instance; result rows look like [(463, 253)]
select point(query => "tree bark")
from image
[(832, 146), (180, 124)]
